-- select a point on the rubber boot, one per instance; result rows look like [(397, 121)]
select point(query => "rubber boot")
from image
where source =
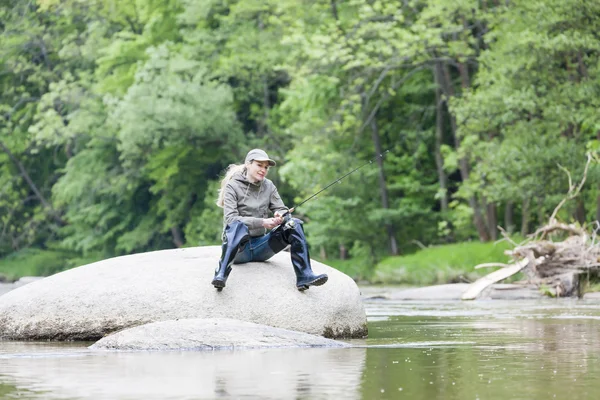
[(300, 257), (234, 237)]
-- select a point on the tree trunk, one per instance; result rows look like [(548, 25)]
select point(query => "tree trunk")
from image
[(439, 125), (598, 205), (463, 163), (449, 91), (32, 185), (266, 105), (177, 236), (598, 198), (334, 10), (509, 217), (540, 210), (525, 218), (580, 212), (492, 218), (343, 252), (323, 253), (464, 75), (383, 187), (478, 220), (263, 127)]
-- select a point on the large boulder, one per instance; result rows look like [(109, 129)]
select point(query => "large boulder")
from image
[(209, 334), (89, 302)]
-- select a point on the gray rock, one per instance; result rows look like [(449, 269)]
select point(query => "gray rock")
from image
[(451, 291), (27, 279), (454, 291), (88, 302), (512, 291), (209, 334), (6, 287)]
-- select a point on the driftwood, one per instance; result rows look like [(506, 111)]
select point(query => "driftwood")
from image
[(479, 285), (553, 265)]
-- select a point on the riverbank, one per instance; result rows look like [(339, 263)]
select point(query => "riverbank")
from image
[(435, 265), (38, 262)]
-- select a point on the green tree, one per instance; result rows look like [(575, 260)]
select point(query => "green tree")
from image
[(534, 105)]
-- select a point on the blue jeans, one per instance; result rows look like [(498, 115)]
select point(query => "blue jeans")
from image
[(257, 249), (238, 247)]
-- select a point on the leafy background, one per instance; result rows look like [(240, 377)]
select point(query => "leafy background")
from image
[(117, 119)]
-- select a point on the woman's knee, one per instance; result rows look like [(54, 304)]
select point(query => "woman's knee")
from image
[(236, 225)]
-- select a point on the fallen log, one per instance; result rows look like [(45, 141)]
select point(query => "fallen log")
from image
[(482, 283)]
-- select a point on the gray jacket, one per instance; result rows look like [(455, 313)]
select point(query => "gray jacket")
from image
[(250, 202)]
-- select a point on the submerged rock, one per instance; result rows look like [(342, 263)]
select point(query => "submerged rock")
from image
[(209, 334), (89, 302)]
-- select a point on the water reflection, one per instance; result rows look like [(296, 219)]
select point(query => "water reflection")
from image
[(485, 350), (75, 372)]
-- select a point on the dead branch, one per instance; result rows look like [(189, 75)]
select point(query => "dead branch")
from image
[(506, 236), (545, 230), (573, 191), (487, 265), (418, 243)]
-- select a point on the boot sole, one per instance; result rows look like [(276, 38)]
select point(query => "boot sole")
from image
[(219, 285), (317, 282)]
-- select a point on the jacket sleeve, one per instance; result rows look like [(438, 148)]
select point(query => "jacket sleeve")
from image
[(231, 213), (276, 204)]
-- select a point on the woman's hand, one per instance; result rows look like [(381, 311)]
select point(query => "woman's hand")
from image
[(271, 223), (282, 213)]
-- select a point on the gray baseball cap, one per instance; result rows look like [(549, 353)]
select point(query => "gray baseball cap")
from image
[(259, 155)]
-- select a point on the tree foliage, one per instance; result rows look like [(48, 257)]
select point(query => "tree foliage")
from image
[(117, 118)]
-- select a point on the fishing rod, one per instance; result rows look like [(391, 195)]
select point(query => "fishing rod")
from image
[(338, 180)]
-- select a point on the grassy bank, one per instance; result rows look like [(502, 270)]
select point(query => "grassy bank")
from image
[(441, 264), (37, 262), (430, 266)]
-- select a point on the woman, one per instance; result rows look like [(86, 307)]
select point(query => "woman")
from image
[(247, 196)]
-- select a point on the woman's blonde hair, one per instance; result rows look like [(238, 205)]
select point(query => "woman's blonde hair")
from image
[(229, 172)]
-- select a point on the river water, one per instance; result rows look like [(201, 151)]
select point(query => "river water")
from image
[(541, 349)]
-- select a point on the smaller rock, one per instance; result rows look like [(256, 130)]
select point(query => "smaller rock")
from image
[(451, 291), (27, 279), (6, 287), (209, 334)]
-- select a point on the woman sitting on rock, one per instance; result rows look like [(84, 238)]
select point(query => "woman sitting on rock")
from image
[(247, 196)]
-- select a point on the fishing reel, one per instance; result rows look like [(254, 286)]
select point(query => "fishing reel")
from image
[(288, 222)]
